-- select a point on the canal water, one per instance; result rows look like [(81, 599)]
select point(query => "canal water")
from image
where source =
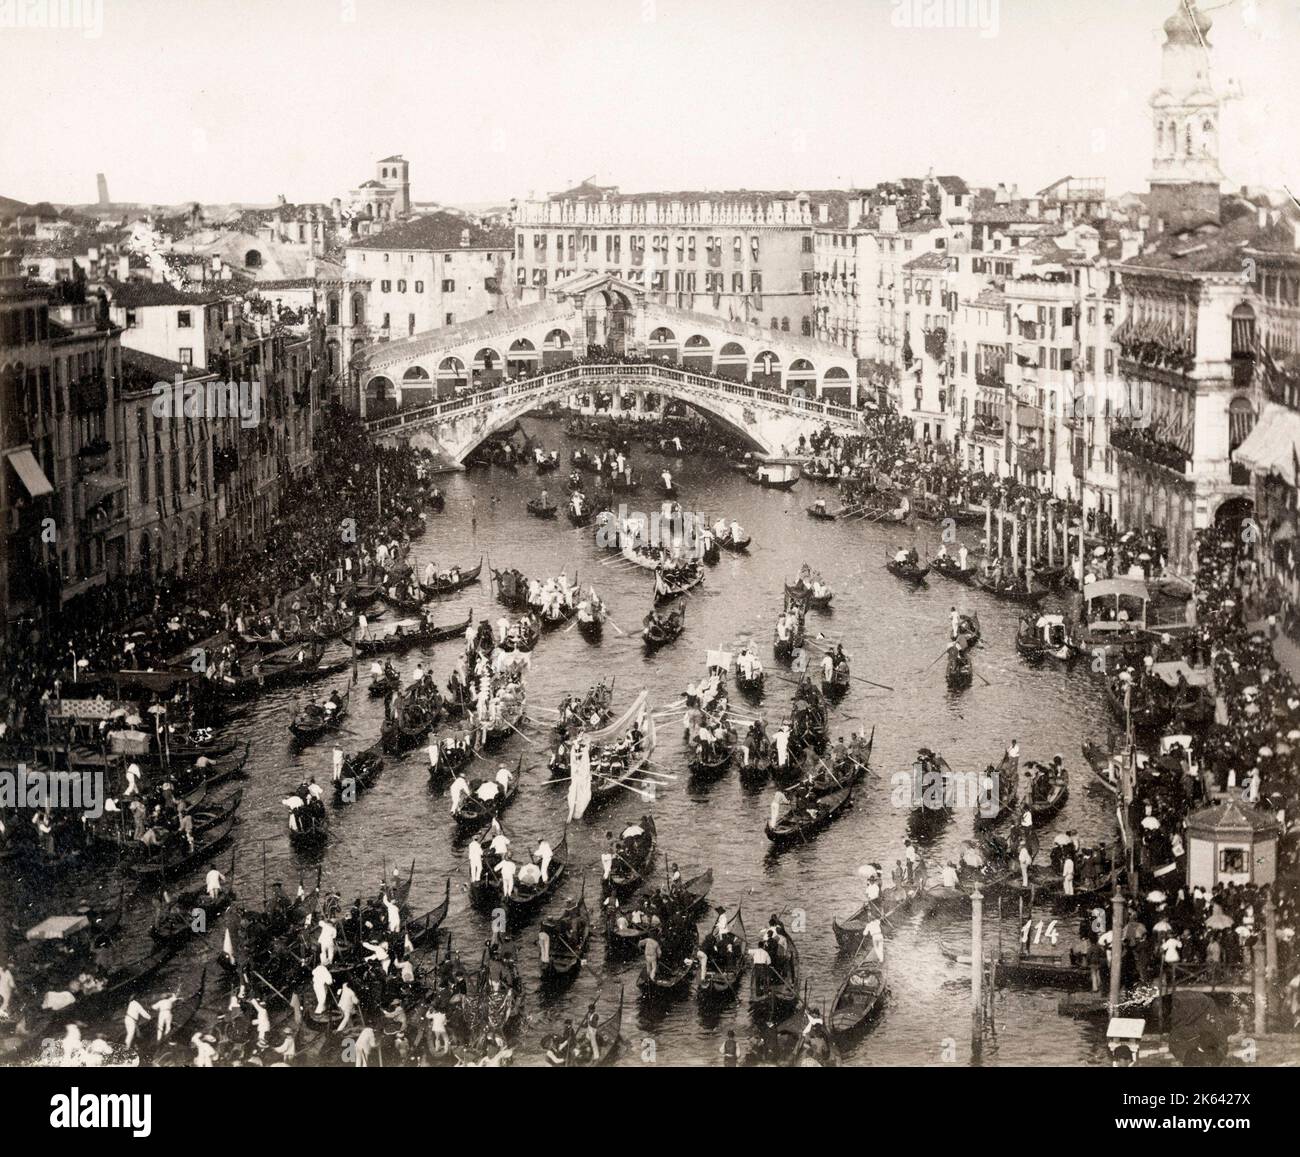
[(892, 632)]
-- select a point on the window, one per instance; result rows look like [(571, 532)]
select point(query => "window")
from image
[(448, 286), (1234, 861), (419, 287), (186, 357), (410, 325), (449, 319), (1067, 316), (737, 283), (183, 319), (401, 287), (1110, 362), (387, 323), (807, 244), (385, 287), (807, 282), (785, 325), (130, 319), (756, 281), (805, 327)]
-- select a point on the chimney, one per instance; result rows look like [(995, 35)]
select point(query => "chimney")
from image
[(857, 209), (823, 213), (1032, 208), (336, 209), (1001, 196), (889, 218), (464, 238), (1261, 216), (123, 267)]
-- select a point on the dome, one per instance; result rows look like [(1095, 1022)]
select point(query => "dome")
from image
[(1188, 25)]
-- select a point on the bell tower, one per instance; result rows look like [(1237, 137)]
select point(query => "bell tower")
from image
[(1185, 111)]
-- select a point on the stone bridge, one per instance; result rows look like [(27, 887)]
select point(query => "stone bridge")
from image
[(770, 420)]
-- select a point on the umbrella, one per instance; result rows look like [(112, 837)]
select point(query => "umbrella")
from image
[(867, 871), (1156, 897), (1218, 921)]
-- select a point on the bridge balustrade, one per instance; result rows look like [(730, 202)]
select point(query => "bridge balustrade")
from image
[(487, 399)]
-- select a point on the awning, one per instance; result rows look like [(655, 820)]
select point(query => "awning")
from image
[(1274, 443), (29, 470), (100, 486)]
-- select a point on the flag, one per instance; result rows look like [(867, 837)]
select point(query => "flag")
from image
[(579, 779)]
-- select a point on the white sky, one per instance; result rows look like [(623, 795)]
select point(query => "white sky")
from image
[(244, 99)]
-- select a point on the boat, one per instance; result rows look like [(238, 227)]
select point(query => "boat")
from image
[(539, 509), (1105, 767), (358, 773), (316, 720), (960, 670), (421, 930), (474, 812), (992, 812), (1010, 591), (406, 604), (947, 567), (1040, 637), (409, 721), (613, 778), (454, 580), (661, 628), (399, 639), (155, 869), (907, 570), (775, 475), (818, 511), (775, 984), (721, 974), (633, 856), (512, 588), (1044, 805), (669, 584), (751, 686), (679, 944), (563, 940), (808, 818), (894, 901), (591, 617), (309, 827), (525, 898), (795, 1043), (177, 922), (577, 1053), (859, 1000), (706, 766), (738, 544), (837, 686), (804, 590), (381, 686)]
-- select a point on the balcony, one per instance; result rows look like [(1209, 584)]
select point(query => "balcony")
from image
[(1141, 443), (93, 456)]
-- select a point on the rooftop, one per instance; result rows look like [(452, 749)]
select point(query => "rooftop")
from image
[(140, 370), (436, 232), (138, 294)]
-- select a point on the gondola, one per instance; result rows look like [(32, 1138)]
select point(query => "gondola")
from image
[(710, 554), (683, 579), (539, 509), (566, 941), (421, 636), (1008, 791), (408, 723), (820, 513), (661, 629), (592, 626), (837, 686), (309, 827), (1010, 592), (359, 773), (735, 545), (580, 517), (278, 670), (676, 964), (454, 580), (947, 567), (708, 766), (474, 812), (792, 1044), (153, 870), (892, 902), (1103, 767), (578, 1055), (154, 1051), (404, 603), (176, 924), (776, 985), (381, 686), (633, 857), (1058, 792), (720, 979), (767, 482), (859, 1000), (802, 593), (960, 671), (421, 930), (525, 898), (751, 686), (907, 571), (799, 824), (313, 721)]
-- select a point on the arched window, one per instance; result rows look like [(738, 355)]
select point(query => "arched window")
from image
[(253, 259), (333, 309), (358, 309)]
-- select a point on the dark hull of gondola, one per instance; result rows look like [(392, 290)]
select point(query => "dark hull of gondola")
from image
[(450, 586)]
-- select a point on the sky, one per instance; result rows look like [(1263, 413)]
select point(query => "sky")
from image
[(243, 100)]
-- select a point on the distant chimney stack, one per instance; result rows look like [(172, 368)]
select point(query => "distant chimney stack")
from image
[(823, 213), (102, 182), (1001, 196), (464, 238), (123, 267)]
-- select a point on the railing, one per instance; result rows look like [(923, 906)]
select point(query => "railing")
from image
[(486, 399)]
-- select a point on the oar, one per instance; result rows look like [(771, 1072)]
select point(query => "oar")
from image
[(939, 656)]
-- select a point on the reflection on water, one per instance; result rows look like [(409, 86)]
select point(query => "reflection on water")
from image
[(891, 630)]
